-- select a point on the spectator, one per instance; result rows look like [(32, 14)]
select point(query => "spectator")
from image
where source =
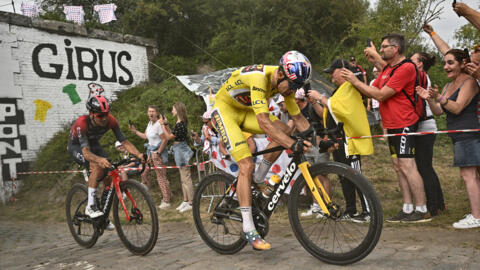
[(181, 152), (346, 105), (157, 153), (424, 144), (284, 117), (312, 111), (125, 155), (459, 101), (393, 88), (374, 106), (472, 68), (358, 70)]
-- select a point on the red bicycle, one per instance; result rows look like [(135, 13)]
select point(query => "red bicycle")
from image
[(134, 213)]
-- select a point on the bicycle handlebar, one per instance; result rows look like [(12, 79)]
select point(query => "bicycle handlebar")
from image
[(119, 163), (334, 135)]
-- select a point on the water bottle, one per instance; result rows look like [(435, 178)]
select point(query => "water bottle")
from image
[(267, 191)]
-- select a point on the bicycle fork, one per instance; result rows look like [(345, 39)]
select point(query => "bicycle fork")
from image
[(317, 189)]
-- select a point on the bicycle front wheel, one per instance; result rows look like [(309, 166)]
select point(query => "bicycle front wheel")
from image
[(337, 239), (217, 219), (139, 234), (80, 225)]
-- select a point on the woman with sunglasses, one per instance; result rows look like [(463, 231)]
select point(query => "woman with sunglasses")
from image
[(459, 102)]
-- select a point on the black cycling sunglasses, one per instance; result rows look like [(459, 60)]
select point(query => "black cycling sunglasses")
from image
[(291, 84)]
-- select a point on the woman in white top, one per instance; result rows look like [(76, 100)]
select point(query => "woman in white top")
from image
[(157, 153)]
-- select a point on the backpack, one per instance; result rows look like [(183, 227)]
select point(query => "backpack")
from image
[(419, 105)]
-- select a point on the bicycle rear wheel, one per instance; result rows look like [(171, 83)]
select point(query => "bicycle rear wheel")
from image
[(139, 234), (333, 239), (217, 219), (80, 225)]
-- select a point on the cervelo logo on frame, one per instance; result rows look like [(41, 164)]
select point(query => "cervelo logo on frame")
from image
[(283, 185)]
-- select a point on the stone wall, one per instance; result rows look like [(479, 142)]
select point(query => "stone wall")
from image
[(45, 69)]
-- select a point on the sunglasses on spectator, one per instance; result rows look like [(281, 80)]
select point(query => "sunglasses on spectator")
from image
[(101, 115), (385, 46)]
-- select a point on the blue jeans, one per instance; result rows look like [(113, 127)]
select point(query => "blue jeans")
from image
[(163, 155), (182, 153)]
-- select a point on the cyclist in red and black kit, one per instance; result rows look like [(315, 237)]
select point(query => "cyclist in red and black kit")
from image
[(85, 149)]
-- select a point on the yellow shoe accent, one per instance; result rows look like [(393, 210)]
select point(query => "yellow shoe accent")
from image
[(256, 241)]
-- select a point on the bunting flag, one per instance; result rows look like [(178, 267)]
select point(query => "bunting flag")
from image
[(30, 10), (74, 13), (106, 12)]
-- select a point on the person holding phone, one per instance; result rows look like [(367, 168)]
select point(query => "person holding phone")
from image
[(181, 152), (458, 101), (157, 153)]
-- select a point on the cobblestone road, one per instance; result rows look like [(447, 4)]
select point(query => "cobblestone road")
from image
[(50, 246)]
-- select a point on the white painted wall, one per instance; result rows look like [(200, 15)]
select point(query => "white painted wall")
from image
[(25, 122)]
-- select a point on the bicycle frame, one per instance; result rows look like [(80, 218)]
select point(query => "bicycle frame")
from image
[(116, 179), (320, 196)]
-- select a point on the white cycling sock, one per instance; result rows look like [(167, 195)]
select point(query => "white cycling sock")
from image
[(262, 171), (92, 193), (421, 208), (247, 217), (407, 208)]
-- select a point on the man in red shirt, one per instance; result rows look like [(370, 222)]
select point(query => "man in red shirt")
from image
[(393, 91)]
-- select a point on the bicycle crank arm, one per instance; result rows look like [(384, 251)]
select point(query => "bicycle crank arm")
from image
[(220, 214)]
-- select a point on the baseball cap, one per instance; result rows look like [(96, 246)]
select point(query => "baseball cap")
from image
[(207, 114), (118, 144), (280, 99), (300, 94), (375, 69), (337, 63), (352, 58)]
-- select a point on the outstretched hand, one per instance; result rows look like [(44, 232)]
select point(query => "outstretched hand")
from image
[(348, 75)]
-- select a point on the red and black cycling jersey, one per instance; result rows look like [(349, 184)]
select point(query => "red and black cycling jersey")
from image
[(84, 131)]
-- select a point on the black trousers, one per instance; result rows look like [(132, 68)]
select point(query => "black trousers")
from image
[(349, 190), (423, 158)]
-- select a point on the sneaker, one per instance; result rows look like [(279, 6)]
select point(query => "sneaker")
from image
[(314, 209), (364, 217), (164, 205), (185, 208), (181, 206), (256, 241), (467, 222), (347, 217), (417, 217), (110, 226), (92, 211), (398, 217)]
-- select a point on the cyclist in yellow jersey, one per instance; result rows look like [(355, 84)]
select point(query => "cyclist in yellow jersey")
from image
[(241, 104)]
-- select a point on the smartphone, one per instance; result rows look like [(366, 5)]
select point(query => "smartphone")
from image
[(130, 123), (468, 55), (369, 41)]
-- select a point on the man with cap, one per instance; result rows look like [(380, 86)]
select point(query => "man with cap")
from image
[(346, 106), (357, 69)]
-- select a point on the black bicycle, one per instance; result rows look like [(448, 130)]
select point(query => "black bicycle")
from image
[(134, 213), (324, 234)]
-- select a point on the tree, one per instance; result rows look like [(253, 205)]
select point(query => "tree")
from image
[(467, 36)]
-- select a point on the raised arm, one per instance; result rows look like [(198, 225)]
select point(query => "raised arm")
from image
[(441, 45), (469, 13)]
